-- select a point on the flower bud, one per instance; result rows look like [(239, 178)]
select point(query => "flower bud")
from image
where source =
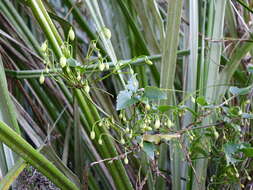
[(141, 144), (107, 66), (216, 135), (100, 141), (92, 135), (44, 47), (149, 128), (68, 70), (169, 123), (149, 62), (127, 129), (63, 61), (101, 66), (87, 88), (157, 124), (71, 34), (126, 160), (78, 77), (42, 79), (144, 125), (147, 107), (131, 134), (107, 33), (122, 141)]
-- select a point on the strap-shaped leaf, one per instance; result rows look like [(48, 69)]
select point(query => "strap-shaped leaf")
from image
[(32, 156)]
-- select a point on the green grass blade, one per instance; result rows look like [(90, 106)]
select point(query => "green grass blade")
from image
[(14, 172), (32, 156), (168, 65)]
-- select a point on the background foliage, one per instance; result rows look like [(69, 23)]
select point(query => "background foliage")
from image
[(126, 94)]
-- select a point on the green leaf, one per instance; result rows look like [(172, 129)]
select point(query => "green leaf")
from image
[(154, 93), (247, 116), (73, 63), (248, 151), (157, 138), (201, 101), (125, 99), (13, 140), (230, 149), (239, 91), (149, 149), (165, 108), (250, 68), (132, 84)]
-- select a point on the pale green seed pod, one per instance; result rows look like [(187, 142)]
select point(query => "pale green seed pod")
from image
[(92, 135), (78, 77), (126, 160), (170, 123), (122, 141), (71, 34), (63, 61), (107, 33), (147, 107), (131, 71), (107, 66), (216, 135), (127, 129), (157, 124), (87, 89), (100, 141), (141, 144), (131, 134), (42, 79), (101, 66), (68, 70), (144, 125), (149, 62), (44, 47), (100, 124)]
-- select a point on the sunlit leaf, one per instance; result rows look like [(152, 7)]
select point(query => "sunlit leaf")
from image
[(149, 149), (125, 99), (154, 93), (239, 91)]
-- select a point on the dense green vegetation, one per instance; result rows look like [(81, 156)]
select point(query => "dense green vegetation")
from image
[(126, 94)]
